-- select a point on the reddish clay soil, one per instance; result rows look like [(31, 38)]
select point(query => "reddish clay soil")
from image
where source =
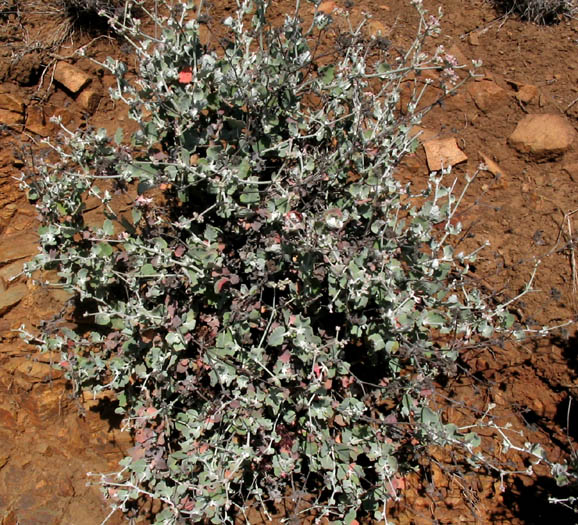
[(525, 209)]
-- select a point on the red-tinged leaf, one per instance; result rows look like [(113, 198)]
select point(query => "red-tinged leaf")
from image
[(186, 76), (142, 435), (328, 384), (285, 357), (339, 420), (391, 419), (346, 381), (426, 392), (187, 503), (137, 452), (221, 283), (182, 366), (398, 483), (180, 251), (317, 371), (151, 411)]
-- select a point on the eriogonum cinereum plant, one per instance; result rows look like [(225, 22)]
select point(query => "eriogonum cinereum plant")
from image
[(274, 308)]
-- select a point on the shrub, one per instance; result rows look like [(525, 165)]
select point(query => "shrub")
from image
[(539, 11), (89, 15), (275, 307)]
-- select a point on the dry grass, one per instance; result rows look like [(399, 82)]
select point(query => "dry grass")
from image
[(540, 11)]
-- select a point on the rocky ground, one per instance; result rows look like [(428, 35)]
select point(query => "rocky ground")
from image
[(519, 118)]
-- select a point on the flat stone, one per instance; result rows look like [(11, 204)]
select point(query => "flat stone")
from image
[(72, 78), (34, 370), (487, 95), (474, 38), (11, 296), (7, 158), (527, 93), (442, 153), (543, 136), (89, 99), (493, 167), (18, 246), (496, 170), (10, 271), (10, 118), (38, 119), (457, 102), (10, 102)]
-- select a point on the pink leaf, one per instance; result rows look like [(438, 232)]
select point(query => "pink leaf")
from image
[(220, 284), (285, 357), (398, 483)]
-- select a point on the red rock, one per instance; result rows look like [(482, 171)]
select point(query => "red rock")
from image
[(457, 102), (34, 370), (474, 38), (10, 102), (527, 93), (72, 78), (495, 170), (18, 246), (11, 296), (543, 136), (10, 118), (441, 153), (10, 271), (38, 119), (487, 95), (89, 99)]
